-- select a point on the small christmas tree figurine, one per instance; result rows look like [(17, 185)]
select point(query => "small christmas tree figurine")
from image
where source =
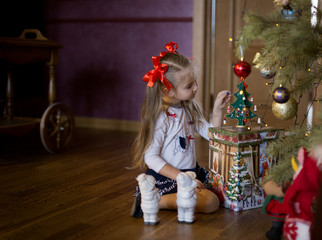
[(242, 105), (238, 177)]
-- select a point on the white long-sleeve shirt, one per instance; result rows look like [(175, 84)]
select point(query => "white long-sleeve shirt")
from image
[(174, 140)]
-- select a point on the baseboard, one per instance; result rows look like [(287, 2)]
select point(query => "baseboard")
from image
[(104, 123)]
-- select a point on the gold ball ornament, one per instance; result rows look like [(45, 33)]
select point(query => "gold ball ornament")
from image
[(285, 111)]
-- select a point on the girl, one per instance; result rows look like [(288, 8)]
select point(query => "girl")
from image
[(169, 118)]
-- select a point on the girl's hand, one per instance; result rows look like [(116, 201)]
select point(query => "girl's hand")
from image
[(222, 99), (199, 186)]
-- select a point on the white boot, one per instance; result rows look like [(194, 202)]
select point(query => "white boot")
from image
[(186, 197), (150, 199)]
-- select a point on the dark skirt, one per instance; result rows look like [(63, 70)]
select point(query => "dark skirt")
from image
[(168, 186)]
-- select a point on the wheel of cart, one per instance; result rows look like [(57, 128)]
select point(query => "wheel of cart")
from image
[(57, 122), (56, 127)]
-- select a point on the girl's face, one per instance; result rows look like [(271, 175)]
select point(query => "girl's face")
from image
[(186, 88)]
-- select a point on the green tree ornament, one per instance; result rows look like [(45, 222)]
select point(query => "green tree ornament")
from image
[(242, 106)]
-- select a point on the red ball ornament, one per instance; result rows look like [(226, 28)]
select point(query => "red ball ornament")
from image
[(242, 69)]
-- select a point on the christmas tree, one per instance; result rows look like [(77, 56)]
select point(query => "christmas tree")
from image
[(241, 106), (292, 51), (238, 177)]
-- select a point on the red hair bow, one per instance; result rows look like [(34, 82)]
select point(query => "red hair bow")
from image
[(171, 47), (160, 69), (157, 73)]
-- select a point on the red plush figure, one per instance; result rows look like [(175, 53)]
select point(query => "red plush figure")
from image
[(291, 207), (300, 198), (274, 208)]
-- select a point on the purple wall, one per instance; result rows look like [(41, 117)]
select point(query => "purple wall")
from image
[(107, 48)]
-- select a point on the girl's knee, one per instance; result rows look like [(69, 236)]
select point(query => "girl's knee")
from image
[(208, 202), (168, 201), (212, 203)]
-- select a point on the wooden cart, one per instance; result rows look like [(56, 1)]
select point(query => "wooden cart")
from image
[(57, 122)]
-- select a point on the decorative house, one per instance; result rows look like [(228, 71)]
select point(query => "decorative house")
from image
[(238, 162)]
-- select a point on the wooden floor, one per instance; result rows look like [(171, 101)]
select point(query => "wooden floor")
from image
[(87, 192)]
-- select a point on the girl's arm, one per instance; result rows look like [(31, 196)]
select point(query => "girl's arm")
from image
[(222, 99), (172, 172), (168, 171), (152, 156)]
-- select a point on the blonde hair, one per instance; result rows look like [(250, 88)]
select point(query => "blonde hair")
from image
[(153, 105)]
